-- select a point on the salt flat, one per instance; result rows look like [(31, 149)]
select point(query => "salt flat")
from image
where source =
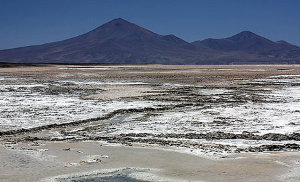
[(211, 112)]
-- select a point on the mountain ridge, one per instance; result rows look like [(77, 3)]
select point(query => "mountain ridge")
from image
[(245, 40), (120, 41)]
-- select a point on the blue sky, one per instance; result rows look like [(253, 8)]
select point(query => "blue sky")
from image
[(31, 22)]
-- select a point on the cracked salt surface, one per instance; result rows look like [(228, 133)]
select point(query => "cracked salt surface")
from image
[(259, 118), (22, 107), (282, 115)]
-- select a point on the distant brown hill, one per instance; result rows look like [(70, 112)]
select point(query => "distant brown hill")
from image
[(120, 41)]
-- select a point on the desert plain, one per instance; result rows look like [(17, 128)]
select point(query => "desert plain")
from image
[(150, 123)]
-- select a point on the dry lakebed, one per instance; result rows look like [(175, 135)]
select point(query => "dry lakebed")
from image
[(145, 123)]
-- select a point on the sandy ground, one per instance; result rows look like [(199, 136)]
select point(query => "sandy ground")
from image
[(50, 159), (112, 92), (38, 164), (188, 74)]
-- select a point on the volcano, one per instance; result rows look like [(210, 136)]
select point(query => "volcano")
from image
[(117, 41), (120, 41)]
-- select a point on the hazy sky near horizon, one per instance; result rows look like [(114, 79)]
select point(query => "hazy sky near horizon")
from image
[(33, 22)]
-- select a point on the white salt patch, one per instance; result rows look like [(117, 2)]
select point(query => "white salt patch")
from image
[(213, 91), (103, 83), (24, 108), (284, 76), (172, 85), (66, 75), (6, 78), (251, 143), (87, 68), (274, 80)]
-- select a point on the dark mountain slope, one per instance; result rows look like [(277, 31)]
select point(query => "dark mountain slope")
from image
[(249, 46), (120, 41), (117, 41), (244, 41)]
